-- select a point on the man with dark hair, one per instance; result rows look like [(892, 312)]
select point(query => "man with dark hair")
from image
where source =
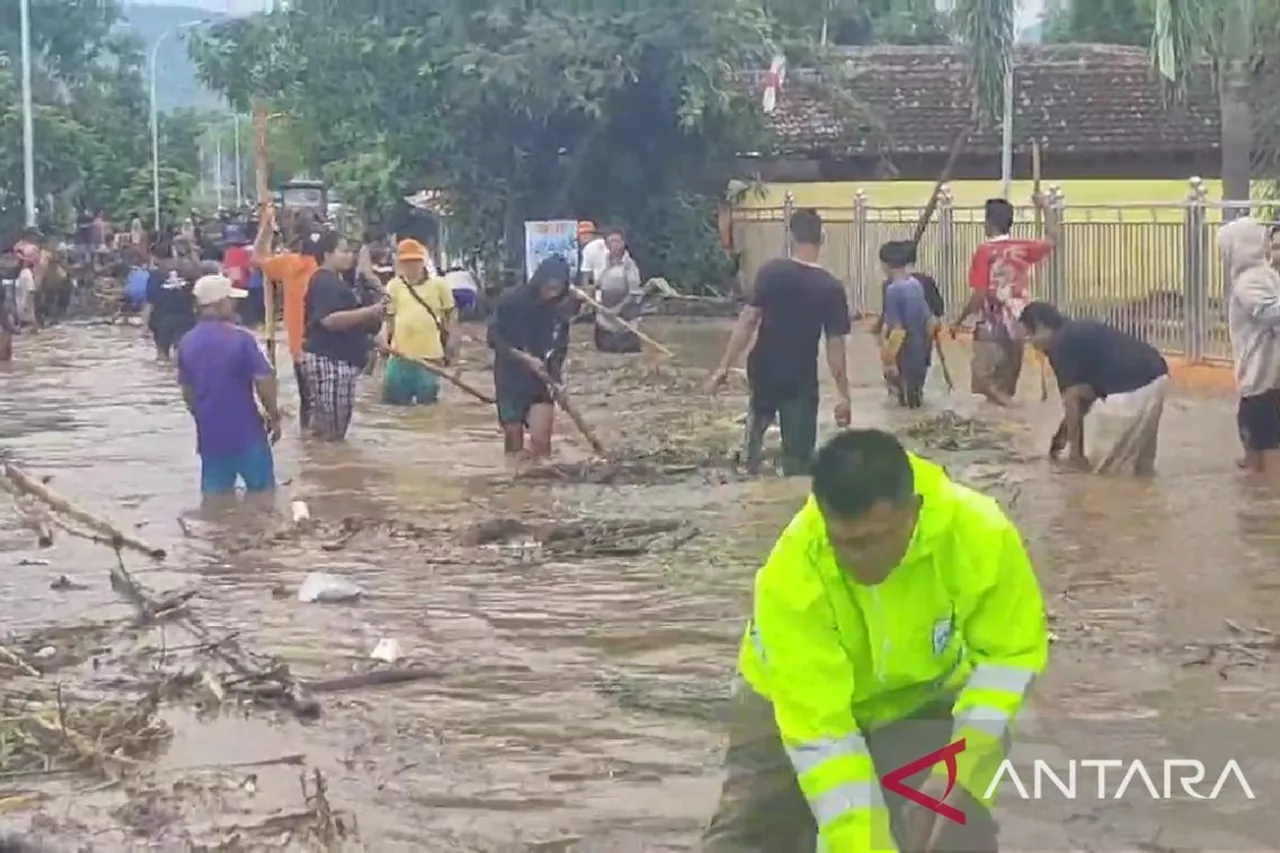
[(795, 302), (999, 277), (897, 613), (909, 325), (1121, 381)]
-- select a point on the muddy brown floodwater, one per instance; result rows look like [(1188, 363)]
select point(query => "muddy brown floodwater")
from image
[(579, 706)]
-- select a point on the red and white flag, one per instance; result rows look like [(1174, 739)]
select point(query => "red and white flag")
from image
[(773, 80)]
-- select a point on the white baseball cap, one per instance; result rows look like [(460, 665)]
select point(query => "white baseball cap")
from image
[(210, 289)]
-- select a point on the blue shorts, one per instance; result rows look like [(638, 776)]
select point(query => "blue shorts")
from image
[(255, 466)]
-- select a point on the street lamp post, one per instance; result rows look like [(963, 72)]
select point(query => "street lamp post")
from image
[(239, 166), (28, 121), (155, 117)]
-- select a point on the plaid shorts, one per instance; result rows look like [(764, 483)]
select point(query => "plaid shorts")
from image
[(331, 385)]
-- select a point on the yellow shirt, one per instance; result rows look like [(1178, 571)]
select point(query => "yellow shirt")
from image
[(416, 333)]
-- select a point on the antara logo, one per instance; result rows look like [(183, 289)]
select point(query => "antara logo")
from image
[(894, 781)]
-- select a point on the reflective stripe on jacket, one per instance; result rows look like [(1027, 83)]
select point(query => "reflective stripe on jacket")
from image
[(961, 616)]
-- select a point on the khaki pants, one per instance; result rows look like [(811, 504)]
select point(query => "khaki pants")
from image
[(998, 363), (1121, 432), (762, 809)]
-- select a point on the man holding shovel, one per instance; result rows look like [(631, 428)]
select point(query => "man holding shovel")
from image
[(897, 615)]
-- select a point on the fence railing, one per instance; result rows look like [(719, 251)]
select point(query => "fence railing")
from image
[(1150, 269)]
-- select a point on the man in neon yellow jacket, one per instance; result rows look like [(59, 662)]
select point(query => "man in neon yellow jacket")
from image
[(898, 613)]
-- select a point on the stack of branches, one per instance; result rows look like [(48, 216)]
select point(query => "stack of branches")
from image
[(44, 729)]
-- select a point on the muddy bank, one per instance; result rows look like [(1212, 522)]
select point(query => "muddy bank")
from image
[(581, 646)]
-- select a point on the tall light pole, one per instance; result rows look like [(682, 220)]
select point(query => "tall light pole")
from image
[(155, 117), (28, 121), (235, 124)]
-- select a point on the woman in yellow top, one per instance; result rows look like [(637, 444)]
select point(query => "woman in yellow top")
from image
[(420, 326)]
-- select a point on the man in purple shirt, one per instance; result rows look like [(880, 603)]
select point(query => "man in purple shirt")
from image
[(220, 368)]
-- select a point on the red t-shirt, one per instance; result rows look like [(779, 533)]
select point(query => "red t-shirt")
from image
[(235, 265), (1001, 267)]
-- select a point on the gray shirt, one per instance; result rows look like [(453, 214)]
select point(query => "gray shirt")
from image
[(906, 308), (617, 282), (1253, 309)]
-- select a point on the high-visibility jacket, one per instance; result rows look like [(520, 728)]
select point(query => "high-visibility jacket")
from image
[(961, 615)]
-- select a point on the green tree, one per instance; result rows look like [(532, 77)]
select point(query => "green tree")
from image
[(91, 112), (1232, 36), (861, 22), (1128, 22), (620, 110)]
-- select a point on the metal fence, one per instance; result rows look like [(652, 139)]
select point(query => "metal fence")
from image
[(1150, 269)]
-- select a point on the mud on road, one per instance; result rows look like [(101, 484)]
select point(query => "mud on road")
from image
[(573, 627)]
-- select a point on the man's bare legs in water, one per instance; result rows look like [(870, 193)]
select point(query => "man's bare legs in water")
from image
[(540, 424)]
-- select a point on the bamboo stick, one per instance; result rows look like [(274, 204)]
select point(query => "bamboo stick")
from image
[(1039, 214), (23, 482), (947, 169), (265, 216), (451, 378), (561, 397), (585, 297)]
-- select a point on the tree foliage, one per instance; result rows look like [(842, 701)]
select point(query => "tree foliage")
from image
[(1128, 22), (623, 111), (90, 113)]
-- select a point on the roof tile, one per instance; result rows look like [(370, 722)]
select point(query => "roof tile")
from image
[(1076, 98)]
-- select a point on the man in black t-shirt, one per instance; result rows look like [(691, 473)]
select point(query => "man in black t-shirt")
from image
[(1106, 373), (170, 309), (794, 304)]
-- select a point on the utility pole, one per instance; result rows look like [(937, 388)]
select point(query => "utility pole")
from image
[(28, 121)]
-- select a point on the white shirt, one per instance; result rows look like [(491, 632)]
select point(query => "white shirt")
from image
[(461, 280), (595, 258)]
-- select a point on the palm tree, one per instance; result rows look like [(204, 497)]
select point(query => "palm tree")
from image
[(1186, 33)]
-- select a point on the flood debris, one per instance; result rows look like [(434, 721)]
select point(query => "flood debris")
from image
[(948, 431), (46, 729), (1246, 648), (19, 483), (640, 467), (324, 588), (582, 539)]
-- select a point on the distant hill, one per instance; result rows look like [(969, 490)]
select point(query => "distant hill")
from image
[(176, 83)]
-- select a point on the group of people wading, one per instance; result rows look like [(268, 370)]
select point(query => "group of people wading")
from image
[(1113, 377)]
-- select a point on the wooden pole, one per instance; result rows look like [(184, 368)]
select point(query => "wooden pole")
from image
[(952, 159), (630, 327), (562, 398), (261, 169), (1039, 215), (20, 481), (451, 378)]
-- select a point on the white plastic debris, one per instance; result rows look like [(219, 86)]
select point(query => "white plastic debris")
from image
[(322, 588), (46, 653), (387, 650), (300, 512)]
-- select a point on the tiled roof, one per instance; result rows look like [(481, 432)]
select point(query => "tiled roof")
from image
[(1077, 98)]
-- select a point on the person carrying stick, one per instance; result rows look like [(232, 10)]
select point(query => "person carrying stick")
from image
[(529, 334)]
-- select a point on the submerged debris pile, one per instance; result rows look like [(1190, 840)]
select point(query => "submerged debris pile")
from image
[(950, 431), (581, 539), (637, 469), (45, 728)]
